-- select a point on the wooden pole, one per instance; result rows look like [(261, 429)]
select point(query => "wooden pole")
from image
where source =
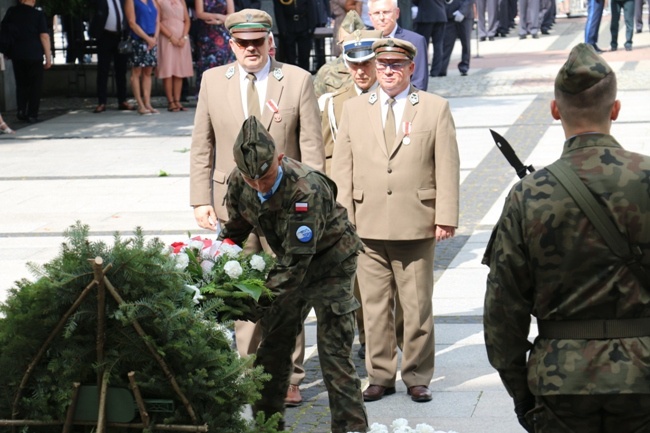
[(48, 341), (69, 418), (163, 365), (144, 416), (101, 316), (101, 410)]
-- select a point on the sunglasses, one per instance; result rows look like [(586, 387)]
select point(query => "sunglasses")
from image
[(245, 43), (397, 66)]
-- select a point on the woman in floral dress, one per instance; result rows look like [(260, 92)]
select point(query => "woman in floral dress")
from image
[(213, 37)]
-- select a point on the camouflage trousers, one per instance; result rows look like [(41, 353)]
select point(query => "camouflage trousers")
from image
[(629, 413), (335, 332)]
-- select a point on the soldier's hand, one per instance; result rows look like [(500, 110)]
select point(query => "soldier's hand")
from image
[(206, 217), (521, 408)]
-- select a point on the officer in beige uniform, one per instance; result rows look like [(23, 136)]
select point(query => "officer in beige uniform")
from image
[(397, 169), (282, 97)]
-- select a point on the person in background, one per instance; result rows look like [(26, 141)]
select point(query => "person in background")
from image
[(31, 44), (592, 27), (384, 15), (174, 52), (430, 23), (247, 4), (460, 18), (588, 368), (213, 37), (489, 8), (144, 21), (108, 26), (339, 10), (334, 75), (73, 29), (296, 23), (4, 128), (628, 17), (638, 15), (397, 168)]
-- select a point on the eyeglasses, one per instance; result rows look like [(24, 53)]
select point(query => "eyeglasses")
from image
[(396, 66), (245, 43), (378, 14)]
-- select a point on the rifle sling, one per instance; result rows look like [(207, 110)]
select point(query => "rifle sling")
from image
[(603, 224)]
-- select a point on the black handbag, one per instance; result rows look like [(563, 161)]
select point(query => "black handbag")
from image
[(125, 46)]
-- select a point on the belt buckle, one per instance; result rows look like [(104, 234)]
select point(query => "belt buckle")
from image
[(296, 17)]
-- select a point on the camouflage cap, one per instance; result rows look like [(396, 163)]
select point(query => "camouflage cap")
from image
[(393, 48), (583, 69), (249, 24), (254, 149), (357, 47), (350, 23)]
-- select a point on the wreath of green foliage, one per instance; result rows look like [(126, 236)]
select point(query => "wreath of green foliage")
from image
[(216, 381)]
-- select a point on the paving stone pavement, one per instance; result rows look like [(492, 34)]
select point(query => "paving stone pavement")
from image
[(117, 170)]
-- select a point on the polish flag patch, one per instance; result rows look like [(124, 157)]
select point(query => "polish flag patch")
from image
[(301, 207)]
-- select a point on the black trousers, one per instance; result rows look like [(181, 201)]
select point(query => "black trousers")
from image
[(107, 53), (29, 85), (295, 48), (453, 31), (435, 32)]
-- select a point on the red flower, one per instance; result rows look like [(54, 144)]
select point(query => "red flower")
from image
[(177, 247)]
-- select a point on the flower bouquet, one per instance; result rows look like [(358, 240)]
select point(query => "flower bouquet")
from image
[(401, 425), (220, 270)]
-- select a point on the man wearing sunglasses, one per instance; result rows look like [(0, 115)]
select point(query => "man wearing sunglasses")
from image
[(280, 96), (397, 169)]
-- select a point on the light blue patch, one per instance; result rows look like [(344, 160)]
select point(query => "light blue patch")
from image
[(304, 234)]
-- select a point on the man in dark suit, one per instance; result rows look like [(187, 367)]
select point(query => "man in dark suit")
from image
[(107, 27), (430, 23), (384, 15), (460, 18), (247, 4)]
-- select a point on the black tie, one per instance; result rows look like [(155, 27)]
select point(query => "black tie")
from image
[(119, 16)]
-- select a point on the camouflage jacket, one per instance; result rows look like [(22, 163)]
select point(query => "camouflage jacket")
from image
[(547, 260), (331, 77), (304, 225)]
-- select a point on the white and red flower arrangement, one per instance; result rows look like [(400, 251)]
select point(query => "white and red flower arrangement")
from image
[(219, 269)]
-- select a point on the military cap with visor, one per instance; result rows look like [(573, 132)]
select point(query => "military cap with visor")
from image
[(357, 48), (393, 48), (254, 149), (583, 69), (249, 24)]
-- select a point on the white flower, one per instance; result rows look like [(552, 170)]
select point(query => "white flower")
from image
[(195, 244), (424, 428), (230, 250), (399, 422), (403, 429), (257, 263), (206, 266), (233, 269), (197, 293), (182, 260)]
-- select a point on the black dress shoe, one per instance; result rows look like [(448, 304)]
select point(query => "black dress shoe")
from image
[(490, 38), (482, 39), (545, 32), (376, 392), (522, 36), (21, 116), (535, 36), (32, 119), (628, 48)]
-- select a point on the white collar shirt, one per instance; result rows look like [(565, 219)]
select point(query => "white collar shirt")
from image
[(261, 83)]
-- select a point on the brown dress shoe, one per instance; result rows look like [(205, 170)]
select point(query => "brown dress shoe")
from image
[(293, 397), (125, 106), (420, 393), (100, 108), (376, 392)]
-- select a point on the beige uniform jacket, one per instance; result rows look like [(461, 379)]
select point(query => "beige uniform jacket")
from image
[(220, 114), (401, 196)]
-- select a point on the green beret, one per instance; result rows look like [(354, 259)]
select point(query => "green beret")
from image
[(249, 24), (393, 48), (254, 149), (583, 69), (350, 23)]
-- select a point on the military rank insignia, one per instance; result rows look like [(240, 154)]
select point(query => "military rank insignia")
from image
[(301, 207)]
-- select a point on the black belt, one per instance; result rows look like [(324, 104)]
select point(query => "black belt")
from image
[(594, 329)]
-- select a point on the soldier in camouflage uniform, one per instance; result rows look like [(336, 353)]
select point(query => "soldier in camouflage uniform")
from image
[(547, 260), (316, 248), (334, 75)]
